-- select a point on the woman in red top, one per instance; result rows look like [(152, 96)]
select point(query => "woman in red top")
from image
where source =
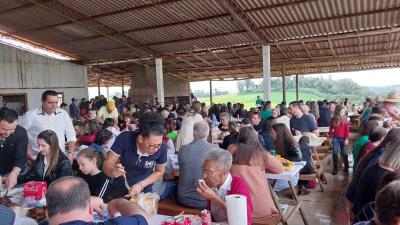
[(339, 135)]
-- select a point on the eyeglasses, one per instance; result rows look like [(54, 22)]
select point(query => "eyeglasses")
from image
[(154, 145), (208, 173)]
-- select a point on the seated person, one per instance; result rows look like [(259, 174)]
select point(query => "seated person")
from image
[(218, 183), (103, 141), (375, 137), (89, 162), (247, 123), (51, 163), (114, 129), (170, 126), (232, 137), (89, 133), (13, 145), (369, 180), (166, 186), (224, 118), (387, 210), (81, 206), (139, 156), (285, 144), (287, 147), (368, 210), (249, 157), (191, 159), (301, 122)]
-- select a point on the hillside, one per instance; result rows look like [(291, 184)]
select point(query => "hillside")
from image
[(249, 99)]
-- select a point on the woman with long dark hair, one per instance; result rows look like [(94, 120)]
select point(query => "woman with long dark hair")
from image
[(285, 144), (251, 162), (339, 134), (51, 163)]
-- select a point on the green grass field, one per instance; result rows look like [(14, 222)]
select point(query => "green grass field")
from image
[(249, 99)]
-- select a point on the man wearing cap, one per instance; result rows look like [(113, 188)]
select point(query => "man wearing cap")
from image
[(108, 111)]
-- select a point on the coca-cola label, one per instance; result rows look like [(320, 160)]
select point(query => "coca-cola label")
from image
[(36, 189)]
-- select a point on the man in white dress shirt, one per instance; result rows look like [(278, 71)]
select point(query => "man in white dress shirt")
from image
[(49, 117)]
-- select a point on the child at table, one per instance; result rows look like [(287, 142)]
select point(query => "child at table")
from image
[(99, 184)]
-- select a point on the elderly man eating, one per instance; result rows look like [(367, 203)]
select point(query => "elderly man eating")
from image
[(218, 183)]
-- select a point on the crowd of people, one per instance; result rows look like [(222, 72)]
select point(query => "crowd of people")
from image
[(107, 150)]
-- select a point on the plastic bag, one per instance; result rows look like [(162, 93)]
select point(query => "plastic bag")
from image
[(148, 201)]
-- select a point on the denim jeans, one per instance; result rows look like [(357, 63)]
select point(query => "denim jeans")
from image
[(339, 143), (170, 190)]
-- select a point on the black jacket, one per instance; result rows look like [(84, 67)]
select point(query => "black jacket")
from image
[(63, 168), (292, 153)]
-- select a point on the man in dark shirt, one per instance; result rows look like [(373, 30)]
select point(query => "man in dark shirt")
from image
[(69, 203), (300, 122), (13, 146), (258, 125), (324, 115)]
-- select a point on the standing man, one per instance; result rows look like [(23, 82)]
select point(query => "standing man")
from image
[(13, 145), (73, 109), (49, 117), (259, 101)]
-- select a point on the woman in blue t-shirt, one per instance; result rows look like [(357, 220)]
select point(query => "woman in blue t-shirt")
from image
[(139, 156)]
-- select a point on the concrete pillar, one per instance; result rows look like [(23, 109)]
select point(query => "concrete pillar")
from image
[(160, 81), (283, 83), (98, 86), (211, 96), (266, 72), (122, 84), (189, 90), (108, 92), (297, 87)]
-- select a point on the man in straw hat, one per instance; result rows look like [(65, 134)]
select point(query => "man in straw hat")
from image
[(390, 105)]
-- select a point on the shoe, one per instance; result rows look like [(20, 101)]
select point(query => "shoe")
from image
[(334, 172), (346, 171), (303, 192)]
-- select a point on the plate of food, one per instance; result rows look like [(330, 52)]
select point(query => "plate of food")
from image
[(287, 164)]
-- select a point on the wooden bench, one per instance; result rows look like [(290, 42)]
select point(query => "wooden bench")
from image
[(170, 207), (271, 220), (313, 176)]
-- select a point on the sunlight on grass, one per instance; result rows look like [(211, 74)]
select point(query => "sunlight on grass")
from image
[(249, 99)]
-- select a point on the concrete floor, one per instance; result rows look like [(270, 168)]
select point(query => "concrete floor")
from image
[(329, 207)]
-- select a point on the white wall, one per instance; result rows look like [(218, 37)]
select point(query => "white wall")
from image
[(25, 72)]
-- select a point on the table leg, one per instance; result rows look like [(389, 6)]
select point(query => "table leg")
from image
[(295, 198), (293, 190)]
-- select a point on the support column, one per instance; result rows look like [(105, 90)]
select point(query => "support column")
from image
[(189, 90), (122, 83), (98, 86), (108, 92), (211, 96), (283, 83), (297, 87), (266, 72), (160, 81)]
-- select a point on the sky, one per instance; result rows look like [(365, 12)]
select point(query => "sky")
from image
[(369, 78)]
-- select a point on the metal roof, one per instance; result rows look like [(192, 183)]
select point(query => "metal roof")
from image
[(211, 39)]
